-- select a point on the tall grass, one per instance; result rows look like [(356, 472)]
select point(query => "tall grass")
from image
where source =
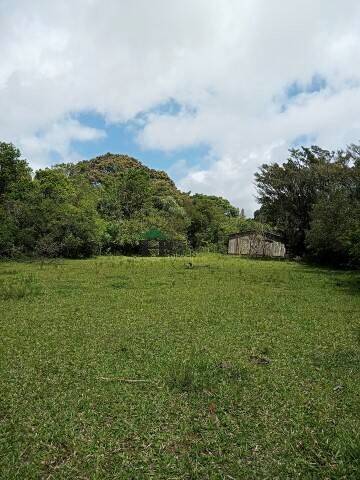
[(18, 287)]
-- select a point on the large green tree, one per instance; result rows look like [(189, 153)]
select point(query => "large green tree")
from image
[(334, 233), (14, 171), (15, 184), (63, 216), (210, 217), (311, 195)]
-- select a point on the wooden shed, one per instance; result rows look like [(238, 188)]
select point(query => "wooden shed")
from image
[(256, 245)]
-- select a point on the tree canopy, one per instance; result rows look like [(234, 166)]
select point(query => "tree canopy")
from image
[(314, 200), (107, 204), (111, 203)]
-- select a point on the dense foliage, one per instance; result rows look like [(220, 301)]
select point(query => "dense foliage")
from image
[(110, 203), (104, 205), (314, 200)]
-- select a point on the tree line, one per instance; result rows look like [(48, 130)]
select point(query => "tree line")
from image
[(104, 205), (313, 199), (107, 204)]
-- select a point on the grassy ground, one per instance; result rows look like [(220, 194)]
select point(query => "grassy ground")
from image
[(244, 369)]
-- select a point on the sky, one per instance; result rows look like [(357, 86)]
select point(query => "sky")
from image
[(206, 90)]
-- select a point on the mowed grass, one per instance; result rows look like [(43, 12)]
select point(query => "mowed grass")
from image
[(134, 368)]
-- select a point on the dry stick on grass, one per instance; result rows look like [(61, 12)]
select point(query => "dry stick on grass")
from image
[(127, 380)]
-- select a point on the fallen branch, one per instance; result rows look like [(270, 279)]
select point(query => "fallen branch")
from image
[(127, 380)]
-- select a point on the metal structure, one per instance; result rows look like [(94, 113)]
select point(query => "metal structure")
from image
[(162, 248)]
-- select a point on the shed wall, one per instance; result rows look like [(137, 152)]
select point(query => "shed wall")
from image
[(256, 246)]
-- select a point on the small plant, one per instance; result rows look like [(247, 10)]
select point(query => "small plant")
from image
[(19, 287), (200, 375), (182, 379), (120, 284)]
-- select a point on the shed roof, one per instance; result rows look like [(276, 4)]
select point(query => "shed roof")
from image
[(276, 237)]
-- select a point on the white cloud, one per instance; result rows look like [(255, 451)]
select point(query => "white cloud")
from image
[(58, 140), (227, 62)]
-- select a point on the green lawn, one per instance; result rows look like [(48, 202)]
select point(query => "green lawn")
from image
[(245, 369)]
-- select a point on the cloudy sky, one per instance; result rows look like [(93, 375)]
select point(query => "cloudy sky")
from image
[(204, 89)]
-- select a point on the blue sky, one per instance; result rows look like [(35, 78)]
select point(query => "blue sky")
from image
[(122, 138), (316, 84)]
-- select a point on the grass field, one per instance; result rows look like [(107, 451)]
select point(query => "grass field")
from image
[(134, 368)]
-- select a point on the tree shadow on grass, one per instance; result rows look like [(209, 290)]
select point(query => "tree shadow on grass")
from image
[(346, 280), (343, 360), (349, 284)]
